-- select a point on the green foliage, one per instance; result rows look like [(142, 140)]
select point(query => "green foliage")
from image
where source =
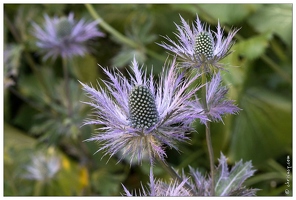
[(262, 130), (253, 47), (37, 115), (230, 14), (276, 18)]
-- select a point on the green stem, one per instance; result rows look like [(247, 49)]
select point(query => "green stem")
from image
[(109, 28), (174, 175), (168, 168), (38, 188), (211, 156), (208, 135), (67, 88), (277, 68)]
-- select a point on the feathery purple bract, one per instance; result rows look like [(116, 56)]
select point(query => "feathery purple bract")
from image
[(162, 189), (216, 104), (139, 116), (64, 36), (200, 47)]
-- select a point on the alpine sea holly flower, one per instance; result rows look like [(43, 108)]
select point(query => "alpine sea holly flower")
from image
[(65, 37), (216, 104), (199, 47), (43, 167), (137, 116)]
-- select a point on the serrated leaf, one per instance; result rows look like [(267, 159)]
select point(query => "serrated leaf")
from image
[(263, 129), (276, 18), (227, 183)]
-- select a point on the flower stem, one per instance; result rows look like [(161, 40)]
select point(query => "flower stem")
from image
[(208, 136), (277, 68), (174, 175), (67, 88), (168, 168), (38, 188), (211, 156), (109, 28)]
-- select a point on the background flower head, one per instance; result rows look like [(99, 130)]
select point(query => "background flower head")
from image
[(139, 116), (199, 46), (43, 166), (64, 36)]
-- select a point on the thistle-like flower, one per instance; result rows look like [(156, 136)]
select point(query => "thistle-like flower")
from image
[(137, 116), (199, 47), (43, 166), (216, 104), (64, 36)]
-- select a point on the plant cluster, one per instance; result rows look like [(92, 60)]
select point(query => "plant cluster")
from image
[(147, 100)]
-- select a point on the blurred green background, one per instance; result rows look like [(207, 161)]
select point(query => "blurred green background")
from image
[(44, 152)]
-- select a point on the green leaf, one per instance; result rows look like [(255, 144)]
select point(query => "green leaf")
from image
[(276, 18), (263, 129), (16, 138), (85, 68), (254, 47)]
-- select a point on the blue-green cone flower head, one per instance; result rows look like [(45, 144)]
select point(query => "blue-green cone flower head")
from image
[(204, 45), (199, 47), (64, 28), (143, 111)]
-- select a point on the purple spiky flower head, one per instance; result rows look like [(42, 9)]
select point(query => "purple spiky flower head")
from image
[(199, 47), (64, 36), (139, 116), (216, 103)]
